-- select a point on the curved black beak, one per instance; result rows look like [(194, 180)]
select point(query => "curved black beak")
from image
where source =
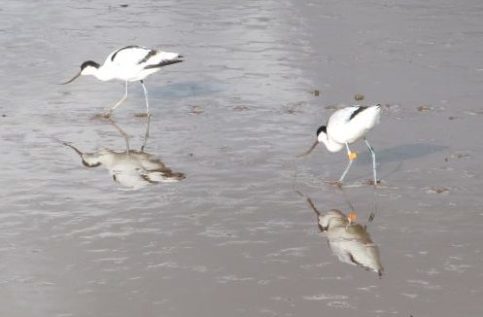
[(309, 150), (72, 79)]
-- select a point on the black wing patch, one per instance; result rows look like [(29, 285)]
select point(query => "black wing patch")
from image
[(147, 179), (353, 260), (164, 63), (150, 54), (358, 110), (114, 55)]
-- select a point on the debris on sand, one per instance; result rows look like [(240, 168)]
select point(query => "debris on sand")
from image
[(457, 156), (437, 190), (240, 108), (332, 107), (196, 110), (425, 108), (295, 107)]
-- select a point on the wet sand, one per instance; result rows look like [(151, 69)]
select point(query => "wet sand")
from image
[(235, 238)]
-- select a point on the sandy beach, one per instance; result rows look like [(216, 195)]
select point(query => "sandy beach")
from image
[(236, 236)]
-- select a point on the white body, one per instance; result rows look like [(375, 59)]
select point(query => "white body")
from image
[(341, 129), (351, 243), (131, 63)]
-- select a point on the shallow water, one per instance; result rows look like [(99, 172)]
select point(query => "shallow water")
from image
[(235, 238)]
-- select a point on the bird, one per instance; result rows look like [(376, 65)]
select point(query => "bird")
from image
[(346, 126), (130, 63), (348, 240)]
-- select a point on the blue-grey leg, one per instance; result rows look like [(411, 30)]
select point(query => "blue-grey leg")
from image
[(348, 165), (108, 114), (373, 154), (146, 97)]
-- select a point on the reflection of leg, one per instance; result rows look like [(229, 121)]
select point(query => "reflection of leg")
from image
[(108, 114), (351, 157), (146, 97), (373, 154), (146, 135), (347, 200), (121, 131)]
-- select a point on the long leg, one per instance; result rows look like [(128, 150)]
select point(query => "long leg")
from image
[(146, 97), (108, 113), (373, 154), (351, 158)]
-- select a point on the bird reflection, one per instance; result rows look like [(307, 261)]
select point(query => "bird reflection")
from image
[(130, 168), (349, 240)]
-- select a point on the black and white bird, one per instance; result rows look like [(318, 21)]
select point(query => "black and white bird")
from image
[(346, 126), (130, 63)]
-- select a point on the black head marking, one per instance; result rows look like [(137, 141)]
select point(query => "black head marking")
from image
[(89, 63), (84, 162), (321, 129)]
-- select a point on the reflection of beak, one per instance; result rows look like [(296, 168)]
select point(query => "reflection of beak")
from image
[(309, 150), (72, 79), (74, 148), (88, 160)]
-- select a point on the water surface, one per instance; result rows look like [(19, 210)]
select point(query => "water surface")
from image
[(234, 238)]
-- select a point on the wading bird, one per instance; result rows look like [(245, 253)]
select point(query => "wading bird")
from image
[(131, 63), (346, 126)]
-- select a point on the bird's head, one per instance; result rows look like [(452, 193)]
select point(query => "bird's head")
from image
[(88, 160), (91, 160), (322, 133), (87, 68), (321, 137), (331, 219)]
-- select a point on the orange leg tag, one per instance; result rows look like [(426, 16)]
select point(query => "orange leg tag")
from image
[(352, 216), (352, 155)]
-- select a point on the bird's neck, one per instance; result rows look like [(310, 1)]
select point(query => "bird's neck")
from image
[(331, 145), (103, 74)]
